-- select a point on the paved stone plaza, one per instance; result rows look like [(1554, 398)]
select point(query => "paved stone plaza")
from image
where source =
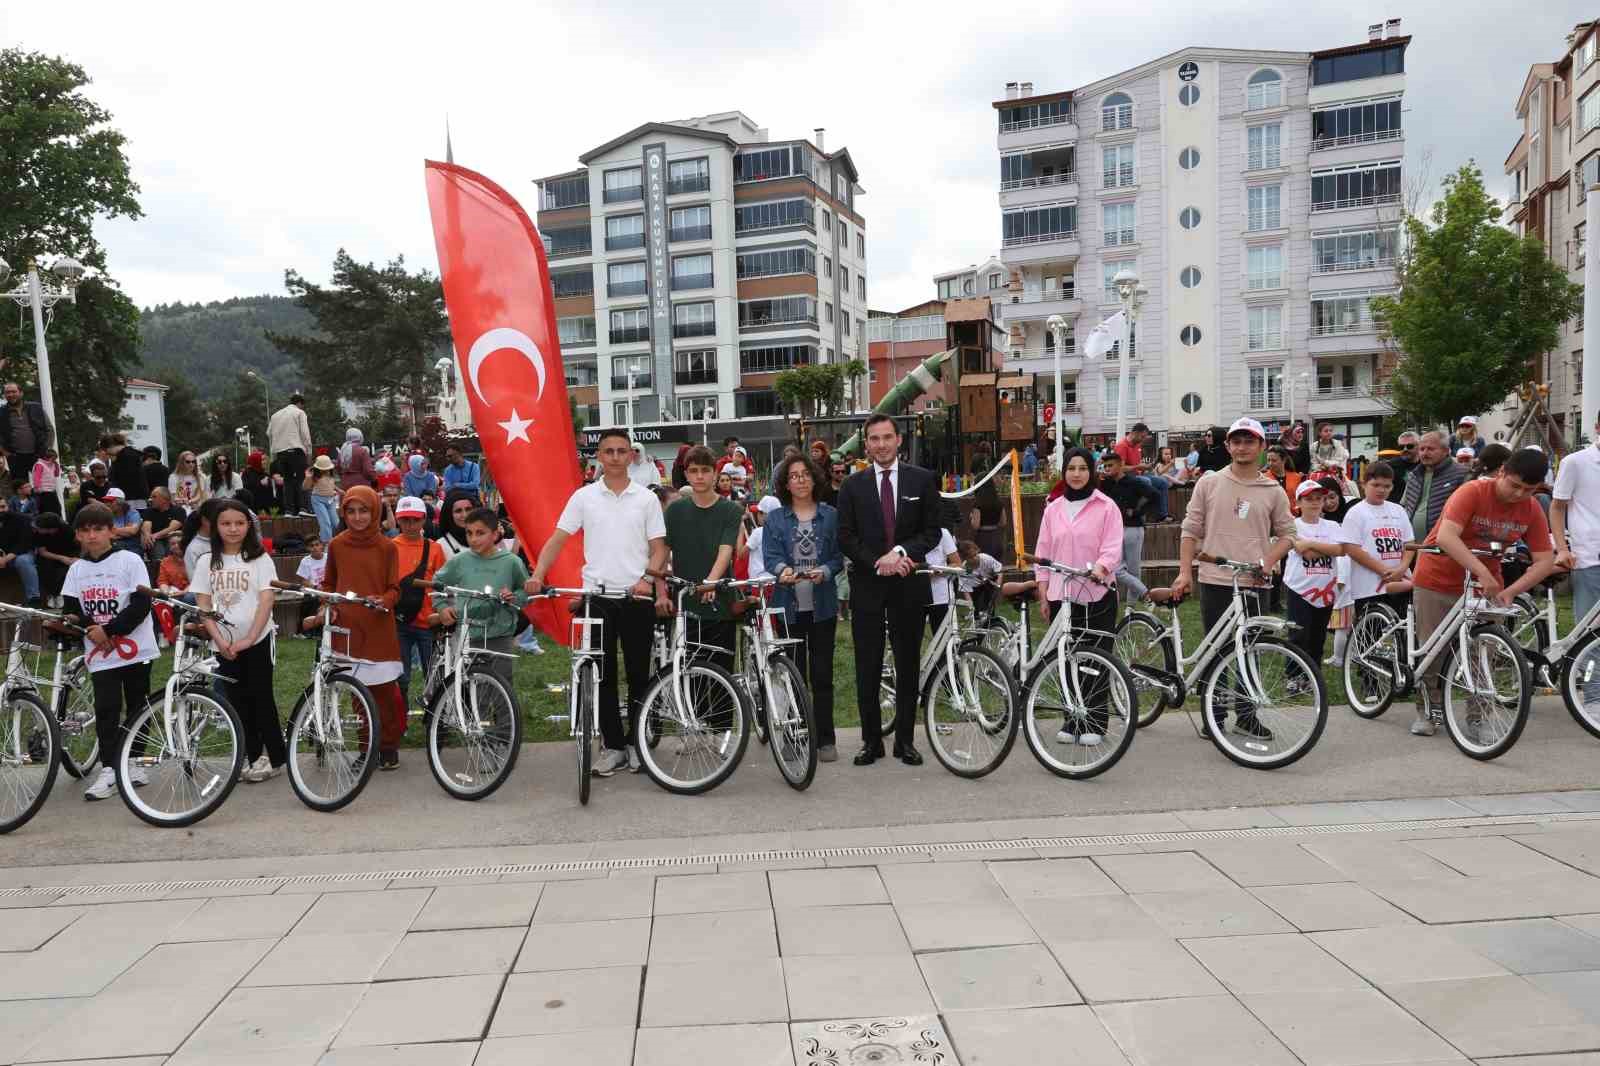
[(1335, 934)]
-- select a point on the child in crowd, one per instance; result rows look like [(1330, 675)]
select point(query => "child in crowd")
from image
[(310, 572), (943, 554), (197, 537), (101, 588), (55, 549), (45, 476), (983, 568), (235, 578), (363, 561), (323, 487), (1375, 532), (171, 576), (420, 559), (486, 566), (1310, 573), (702, 534)]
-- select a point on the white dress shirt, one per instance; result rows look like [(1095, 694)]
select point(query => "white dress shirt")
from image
[(877, 491), (617, 530)]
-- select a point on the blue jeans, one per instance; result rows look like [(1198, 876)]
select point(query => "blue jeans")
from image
[(1585, 591), (419, 641), (1156, 489), (28, 574), (327, 511)]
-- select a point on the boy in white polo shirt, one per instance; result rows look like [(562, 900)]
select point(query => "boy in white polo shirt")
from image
[(1575, 524), (624, 535)]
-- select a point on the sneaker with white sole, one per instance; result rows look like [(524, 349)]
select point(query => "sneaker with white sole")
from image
[(257, 770), (104, 785), (610, 762), (1066, 736), (1090, 740), (137, 777), (1423, 727)]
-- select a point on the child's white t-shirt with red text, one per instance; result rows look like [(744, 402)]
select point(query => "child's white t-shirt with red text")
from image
[(103, 588), (1314, 577)]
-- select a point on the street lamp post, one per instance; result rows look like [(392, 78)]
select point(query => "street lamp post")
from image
[(1131, 295), (1057, 325), (40, 297), (266, 392), (1304, 375), (443, 365)]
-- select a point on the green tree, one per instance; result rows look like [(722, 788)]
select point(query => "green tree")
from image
[(1476, 304), (244, 405), (817, 390), (379, 330), (191, 426)]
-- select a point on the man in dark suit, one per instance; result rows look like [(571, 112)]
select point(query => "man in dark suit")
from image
[(888, 523)]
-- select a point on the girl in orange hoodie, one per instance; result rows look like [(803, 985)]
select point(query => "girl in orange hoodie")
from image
[(363, 561)]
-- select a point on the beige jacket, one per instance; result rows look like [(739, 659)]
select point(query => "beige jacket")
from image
[(1235, 519), (289, 428)]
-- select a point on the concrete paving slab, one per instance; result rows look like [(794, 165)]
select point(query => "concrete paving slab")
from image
[(1231, 913), (254, 1020), (1484, 899), (481, 906), (1536, 945), (1200, 1031), (451, 953), (1052, 879), (418, 1012), (725, 935), (872, 929), (1341, 905), (1181, 871), (1113, 970), (242, 918), (1490, 857), (88, 955), (951, 882), (705, 893), (713, 992), (325, 959), (1514, 803), (568, 1001), (363, 912), (1579, 989), (1091, 918), (1268, 862), (1347, 813), (755, 1045), (585, 945), (1364, 858), (593, 901), (1399, 954), (596, 1047), (1024, 975), (457, 1053), (1229, 818), (944, 926), (847, 986), (1272, 963), (1044, 1036), (826, 888), (1492, 1016), (27, 928), (1347, 1027)]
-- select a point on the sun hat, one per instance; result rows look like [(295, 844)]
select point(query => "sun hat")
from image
[(322, 462)]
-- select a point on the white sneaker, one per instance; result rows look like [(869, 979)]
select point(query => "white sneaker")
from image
[(1423, 728), (610, 762), (1066, 736), (104, 786), (257, 771), (137, 777), (1090, 740)]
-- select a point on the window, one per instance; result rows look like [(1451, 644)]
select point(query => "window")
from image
[(1133, 344), (861, 287), (757, 403), (630, 372), (1586, 51), (574, 240), (1119, 225), (572, 283), (1263, 207), (1580, 236), (625, 279), (1190, 277), (772, 214), (1266, 388), (1191, 403), (861, 246), (827, 314), (1359, 185), (1189, 158), (1264, 89), (1189, 335), (689, 223), (1109, 271), (1189, 217), (691, 272), (827, 267), (861, 328), (1039, 224), (844, 322), (694, 320), (566, 192), (779, 310), (772, 359), (575, 331), (1264, 146), (1358, 249), (1113, 385), (776, 262), (1265, 329), (844, 280), (827, 221), (917, 328), (580, 374), (995, 282), (620, 415), (625, 184), (624, 231), (1264, 267), (1029, 116), (1117, 166), (630, 326), (1189, 95), (1372, 63), (1362, 123), (767, 163), (844, 235), (1116, 112), (697, 366), (688, 175), (698, 408), (829, 357), (1350, 311), (1589, 110), (1584, 175)]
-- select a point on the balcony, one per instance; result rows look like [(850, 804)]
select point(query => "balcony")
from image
[(1041, 181), (698, 183), (770, 321), (630, 334), (624, 194), (1041, 304), (624, 240), (1042, 247), (1034, 132), (1324, 144), (694, 329), (1353, 265), (1344, 338), (1041, 360), (1038, 189), (764, 361), (681, 282), (697, 376), (1355, 203), (569, 251), (640, 382), (802, 223), (1351, 400), (689, 233), (625, 288)]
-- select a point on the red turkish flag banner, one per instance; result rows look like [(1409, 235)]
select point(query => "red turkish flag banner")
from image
[(503, 321)]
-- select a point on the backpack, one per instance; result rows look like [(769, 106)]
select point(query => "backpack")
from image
[(409, 605)]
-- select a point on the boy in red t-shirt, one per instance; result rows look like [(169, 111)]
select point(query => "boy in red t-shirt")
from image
[(1498, 510)]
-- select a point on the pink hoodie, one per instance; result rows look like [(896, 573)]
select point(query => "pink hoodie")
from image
[(1094, 536)]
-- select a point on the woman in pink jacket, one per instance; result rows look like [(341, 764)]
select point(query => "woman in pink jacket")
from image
[(1083, 528)]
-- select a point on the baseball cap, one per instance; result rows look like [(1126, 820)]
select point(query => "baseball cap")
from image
[(1307, 488), (1247, 425), (410, 507), (116, 494), (1465, 453), (1468, 420), (768, 504)]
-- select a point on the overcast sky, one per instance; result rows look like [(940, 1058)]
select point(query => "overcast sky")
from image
[(266, 141)]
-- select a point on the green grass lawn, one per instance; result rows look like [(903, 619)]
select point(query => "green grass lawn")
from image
[(535, 673)]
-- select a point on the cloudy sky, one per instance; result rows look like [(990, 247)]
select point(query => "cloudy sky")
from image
[(267, 142)]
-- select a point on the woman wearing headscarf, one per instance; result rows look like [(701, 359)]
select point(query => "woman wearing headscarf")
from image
[(258, 488), (355, 462), (680, 476), (1214, 453), (452, 519), (418, 480)]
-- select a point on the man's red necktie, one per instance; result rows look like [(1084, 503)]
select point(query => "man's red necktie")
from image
[(886, 500)]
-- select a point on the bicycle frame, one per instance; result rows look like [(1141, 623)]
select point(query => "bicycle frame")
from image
[(1236, 626), (460, 654), (1557, 648)]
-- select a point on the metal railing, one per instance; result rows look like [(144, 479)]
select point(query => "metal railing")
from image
[(1320, 144), (767, 365), (630, 334), (1039, 238), (1117, 237), (640, 381), (1040, 181), (703, 376), (690, 233), (694, 329), (625, 288), (698, 183), (807, 223), (1122, 177), (691, 281), (1040, 352), (1258, 282), (617, 196), (1357, 264), (569, 251), (1264, 159), (1035, 123), (1358, 201), (1116, 117), (1259, 221), (1039, 296), (1264, 342), (1336, 329), (755, 321), (624, 240)]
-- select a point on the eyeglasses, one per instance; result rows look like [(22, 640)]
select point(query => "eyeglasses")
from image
[(799, 475)]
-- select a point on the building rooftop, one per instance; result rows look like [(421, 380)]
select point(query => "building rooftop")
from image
[(141, 383)]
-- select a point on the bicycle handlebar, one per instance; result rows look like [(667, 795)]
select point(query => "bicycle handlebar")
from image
[(178, 605), (454, 590), (1256, 568), (1492, 552), (1083, 573), (33, 612), (349, 598)]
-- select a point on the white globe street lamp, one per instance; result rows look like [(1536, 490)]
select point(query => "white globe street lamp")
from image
[(33, 293), (1131, 295)]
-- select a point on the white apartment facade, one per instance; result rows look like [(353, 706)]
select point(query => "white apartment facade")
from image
[(1257, 196), (1555, 160), (144, 412), (695, 260), (990, 279)]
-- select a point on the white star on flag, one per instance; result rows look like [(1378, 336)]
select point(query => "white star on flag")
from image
[(516, 428)]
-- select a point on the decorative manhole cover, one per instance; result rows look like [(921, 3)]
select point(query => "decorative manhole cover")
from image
[(873, 1042)]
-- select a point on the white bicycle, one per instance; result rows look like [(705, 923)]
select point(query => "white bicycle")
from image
[(1570, 663), (474, 723)]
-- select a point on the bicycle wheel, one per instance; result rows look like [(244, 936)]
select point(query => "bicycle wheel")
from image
[(692, 746), (1143, 647), (583, 712), (998, 635), (886, 700), (30, 752), (1528, 630), (969, 713), (333, 748), (1580, 683), (1073, 696), (1372, 661), (80, 741), (190, 755), (750, 688), (1284, 723), (790, 724), (472, 750), (1486, 699)]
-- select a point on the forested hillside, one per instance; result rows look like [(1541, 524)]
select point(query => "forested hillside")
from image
[(209, 345)]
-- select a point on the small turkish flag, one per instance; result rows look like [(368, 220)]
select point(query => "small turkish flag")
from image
[(502, 318)]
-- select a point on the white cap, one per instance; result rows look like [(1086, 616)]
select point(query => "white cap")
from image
[(1536, 448), (768, 504), (1307, 487), (1468, 420), (410, 507), (116, 494), (1247, 425), (1465, 453)]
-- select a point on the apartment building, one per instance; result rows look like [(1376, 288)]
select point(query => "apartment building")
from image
[(1552, 165), (1257, 196), (692, 261), (990, 279)]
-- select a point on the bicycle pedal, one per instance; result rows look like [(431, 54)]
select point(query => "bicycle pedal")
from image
[(556, 689), (557, 717)]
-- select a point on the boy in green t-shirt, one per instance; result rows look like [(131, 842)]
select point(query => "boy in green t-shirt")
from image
[(486, 566), (701, 534)]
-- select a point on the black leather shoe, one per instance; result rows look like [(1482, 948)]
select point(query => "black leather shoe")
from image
[(868, 756), (908, 754)]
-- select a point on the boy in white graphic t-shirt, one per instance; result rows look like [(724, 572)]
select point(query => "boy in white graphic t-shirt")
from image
[(1375, 532), (1310, 572)]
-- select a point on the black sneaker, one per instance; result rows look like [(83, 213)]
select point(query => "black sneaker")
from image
[(1250, 726)]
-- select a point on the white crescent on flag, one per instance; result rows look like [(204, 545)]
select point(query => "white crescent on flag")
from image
[(493, 341)]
